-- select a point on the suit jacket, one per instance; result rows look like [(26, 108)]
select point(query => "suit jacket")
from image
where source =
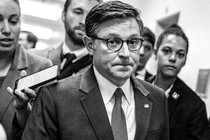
[(56, 55), (22, 60), (187, 113), (73, 108)]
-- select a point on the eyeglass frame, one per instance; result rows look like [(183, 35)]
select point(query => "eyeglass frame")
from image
[(106, 40)]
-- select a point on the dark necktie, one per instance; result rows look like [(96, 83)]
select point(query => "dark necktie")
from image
[(69, 58), (118, 121)]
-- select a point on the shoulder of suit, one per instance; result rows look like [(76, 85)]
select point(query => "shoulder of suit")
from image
[(35, 60), (152, 89), (186, 90), (69, 85)]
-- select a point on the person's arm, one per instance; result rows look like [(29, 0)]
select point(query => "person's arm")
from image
[(21, 102), (197, 125), (42, 121)]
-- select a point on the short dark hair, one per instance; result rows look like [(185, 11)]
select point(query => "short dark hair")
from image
[(31, 38), (108, 11), (149, 36), (68, 2), (173, 29)]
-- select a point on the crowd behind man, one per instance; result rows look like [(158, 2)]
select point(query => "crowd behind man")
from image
[(71, 55), (145, 53)]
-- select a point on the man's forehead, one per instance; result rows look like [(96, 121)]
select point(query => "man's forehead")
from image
[(116, 25), (83, 4)]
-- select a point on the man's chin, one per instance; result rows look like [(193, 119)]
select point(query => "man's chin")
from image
[(123, 75), (78, 40)]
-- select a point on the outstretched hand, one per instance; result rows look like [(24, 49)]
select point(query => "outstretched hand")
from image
[(22, 98), (21, 101)]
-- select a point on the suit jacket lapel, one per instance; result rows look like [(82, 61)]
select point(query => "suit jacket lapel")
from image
[(20, 62), (5, 97), (143, 110), (94, 106), (174, 96), (55, 55)]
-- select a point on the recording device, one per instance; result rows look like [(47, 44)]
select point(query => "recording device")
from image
[(39, 78)]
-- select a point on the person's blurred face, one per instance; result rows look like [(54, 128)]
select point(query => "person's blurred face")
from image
[(23, 40), (74, 19), (117, 66), (171, 55), (9, 25), (145, 52)]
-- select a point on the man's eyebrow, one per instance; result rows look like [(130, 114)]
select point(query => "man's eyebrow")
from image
[(118, 36), (112, 35)]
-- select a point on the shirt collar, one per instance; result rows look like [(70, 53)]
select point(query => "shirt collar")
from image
[(169, 90), (107, 88), (79, 53)]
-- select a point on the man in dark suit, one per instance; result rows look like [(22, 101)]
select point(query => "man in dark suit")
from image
[(145, 53), (187, 112), (73, 17), (105, 102)]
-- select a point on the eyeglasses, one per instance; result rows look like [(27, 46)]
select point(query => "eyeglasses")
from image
[(115, 44)]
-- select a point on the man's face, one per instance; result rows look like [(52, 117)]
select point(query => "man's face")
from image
[(74, 19), (118, 66), (23, 40), (171, 55), (145, 52), (9, 25)]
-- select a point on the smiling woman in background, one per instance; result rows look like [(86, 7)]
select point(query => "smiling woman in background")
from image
[(14, 59)]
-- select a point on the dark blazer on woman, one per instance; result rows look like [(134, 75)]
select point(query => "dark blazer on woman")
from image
[(187, 113), (22, 60)]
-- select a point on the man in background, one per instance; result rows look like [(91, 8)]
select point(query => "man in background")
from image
[(145, 53), (28, 40), (71, 55)]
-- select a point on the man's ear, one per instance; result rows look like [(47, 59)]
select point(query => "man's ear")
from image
[(88, 44), (63, 16)]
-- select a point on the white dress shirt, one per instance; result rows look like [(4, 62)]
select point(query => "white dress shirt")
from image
[(107, 90), (79, 53)]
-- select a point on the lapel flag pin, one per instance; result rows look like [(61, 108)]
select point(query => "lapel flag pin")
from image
[(175, 95), (146, 106)]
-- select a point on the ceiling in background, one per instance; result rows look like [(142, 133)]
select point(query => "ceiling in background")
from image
[(43, 18)]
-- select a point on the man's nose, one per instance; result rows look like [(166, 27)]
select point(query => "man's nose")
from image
[(124, 51), (172, 58)]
